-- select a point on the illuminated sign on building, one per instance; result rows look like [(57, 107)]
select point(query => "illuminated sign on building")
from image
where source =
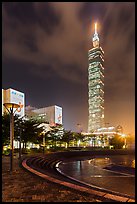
[(13, 96), (58, 115)]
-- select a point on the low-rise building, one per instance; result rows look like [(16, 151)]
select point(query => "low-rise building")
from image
[(51, 114)]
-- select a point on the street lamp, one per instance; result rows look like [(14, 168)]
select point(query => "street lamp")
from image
[(20, 145), (21, 130), (11, 108), (125, 141), (46, 129)]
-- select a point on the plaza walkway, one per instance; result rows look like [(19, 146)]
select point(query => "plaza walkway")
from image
[(23, 186)]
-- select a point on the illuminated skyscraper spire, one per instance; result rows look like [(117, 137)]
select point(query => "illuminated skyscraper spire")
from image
[(95, 37), (95, 27), (96, 84)]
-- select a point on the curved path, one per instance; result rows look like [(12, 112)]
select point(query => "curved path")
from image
[(45, 167)]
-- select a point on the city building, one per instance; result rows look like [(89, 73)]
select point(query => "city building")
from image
[(13, 96), (49, 117), (95, 85), (51, 114), (102, 136)]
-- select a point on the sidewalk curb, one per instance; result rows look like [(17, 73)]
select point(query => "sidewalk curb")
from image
[(77, 187)]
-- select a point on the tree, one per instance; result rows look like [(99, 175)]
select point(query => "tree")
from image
[(130, 139), (78, 137), (56, 134), (117, 142), (67, 137), (30, 131), (6, 129), (91, 137)]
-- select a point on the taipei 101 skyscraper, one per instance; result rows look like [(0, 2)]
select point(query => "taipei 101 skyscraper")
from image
[(95, 85)]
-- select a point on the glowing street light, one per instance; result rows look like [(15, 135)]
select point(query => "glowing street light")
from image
[(11, 108), (125, 141)]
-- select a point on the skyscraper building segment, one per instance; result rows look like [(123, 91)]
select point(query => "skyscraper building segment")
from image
[(96, 85)]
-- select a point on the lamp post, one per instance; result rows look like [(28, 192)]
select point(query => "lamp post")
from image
[(21, 131), (125, 141), (20, 145), (79, 126), (43, 143), (11, 108), (46, 129)]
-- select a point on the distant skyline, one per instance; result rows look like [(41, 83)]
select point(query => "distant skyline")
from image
[(45, 55)]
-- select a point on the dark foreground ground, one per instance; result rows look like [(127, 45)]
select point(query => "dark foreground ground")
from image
[(23, 186)]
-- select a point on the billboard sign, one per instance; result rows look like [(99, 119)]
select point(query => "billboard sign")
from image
[(58, 115), (18, 98)]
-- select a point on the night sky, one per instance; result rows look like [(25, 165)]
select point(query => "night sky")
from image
[(45, 55)]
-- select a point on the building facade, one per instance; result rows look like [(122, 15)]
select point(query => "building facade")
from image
[(51, 114), (95, 85), (13, 96)]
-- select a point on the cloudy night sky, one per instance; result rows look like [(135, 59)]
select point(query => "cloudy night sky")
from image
[(45, 55)]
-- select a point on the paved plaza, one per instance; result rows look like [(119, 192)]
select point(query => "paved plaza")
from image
[(22, 186)]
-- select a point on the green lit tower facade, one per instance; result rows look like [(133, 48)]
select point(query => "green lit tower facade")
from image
[(96, 85)]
